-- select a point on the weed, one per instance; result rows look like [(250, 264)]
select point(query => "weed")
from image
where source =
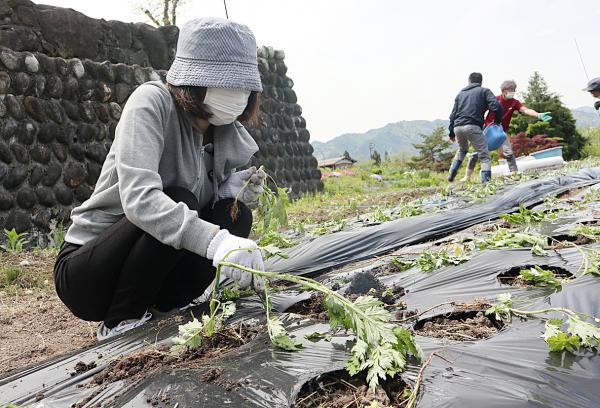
[(431, 260), (570, 332), (14, 241), (275, 238), (504, 238), (587, 231)]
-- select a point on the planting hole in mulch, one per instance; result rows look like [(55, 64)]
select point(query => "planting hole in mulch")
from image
[(338, 390), (513, 276), (137, 366), (460, 326)]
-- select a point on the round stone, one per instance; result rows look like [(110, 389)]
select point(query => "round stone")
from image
[(102, 132), (60, 151), (15, 107), (71, 109), (55, 111), (85, 133), (93, 170), (3, 109), (54, 86), (102, 112), (6, 201), (15, 176), (41, 219), (35, 108), (46, 63), (106, 72), (77, 68), (71, 88), (96, 152), (91, 68), (62, 67), (77, 151), (36, 174), (122, 92), (115, 110), (153, 76), (26, 198), (86, 110), (52, 174), (45, 196), (124, 73), (19, 220), (20, 153), (5, 82), (41, 154), (31, 63), (3, 171), (82, 193), (27, 132), (112, 129), (74, 174), (67, 136), (47, 132), (40, 85), (21, 83), (139, 75), (104, 92), (10, 59), (63, 194)]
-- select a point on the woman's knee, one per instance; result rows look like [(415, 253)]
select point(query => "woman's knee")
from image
[(237, 222), (182, 195)]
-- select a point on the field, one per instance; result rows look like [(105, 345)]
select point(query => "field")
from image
[(409, 254)]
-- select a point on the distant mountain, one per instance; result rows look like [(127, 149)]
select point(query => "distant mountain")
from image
[(586, 117), (399, 137), (394, 138)]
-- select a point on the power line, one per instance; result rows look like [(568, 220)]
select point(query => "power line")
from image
[(580, 58), (225, 4)]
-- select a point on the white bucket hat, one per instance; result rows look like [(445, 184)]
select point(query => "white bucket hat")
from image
[(215, 53)]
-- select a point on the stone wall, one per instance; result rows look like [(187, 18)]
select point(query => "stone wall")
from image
[(66, 33), (58, 118)]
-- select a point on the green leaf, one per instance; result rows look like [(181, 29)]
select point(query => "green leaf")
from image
[(560, 341), (271, 251), (586, 332), (279, 336)]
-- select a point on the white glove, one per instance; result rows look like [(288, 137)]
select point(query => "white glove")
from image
[(249, 256), (234, 183)]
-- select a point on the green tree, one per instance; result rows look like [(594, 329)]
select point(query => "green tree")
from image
[(562, 127), (160, 12), (434, 151), (592, 146)]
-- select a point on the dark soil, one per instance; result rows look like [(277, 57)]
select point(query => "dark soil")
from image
[(82, 367), (338, 390), (512, 277), (214, 375), (365, 283), (152, 359), (313, 307), (459, 326)]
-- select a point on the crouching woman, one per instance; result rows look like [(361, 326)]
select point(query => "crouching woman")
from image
[(158, 221)]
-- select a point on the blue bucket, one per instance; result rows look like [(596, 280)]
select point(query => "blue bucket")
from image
[(495, 136)]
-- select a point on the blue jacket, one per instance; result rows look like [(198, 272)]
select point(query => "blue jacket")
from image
[(470, 106)]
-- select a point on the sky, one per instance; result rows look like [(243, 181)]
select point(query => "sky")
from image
[(358, 65)]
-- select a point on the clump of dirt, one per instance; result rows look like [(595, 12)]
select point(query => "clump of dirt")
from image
[(82, 367), (214, 375), (404, 314), (313, 307), (338, 390), (512, 276), (459, 326), (152, 359), (365, 283), (161, 398)]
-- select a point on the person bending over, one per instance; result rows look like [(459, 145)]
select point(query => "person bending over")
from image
[(158, 221)]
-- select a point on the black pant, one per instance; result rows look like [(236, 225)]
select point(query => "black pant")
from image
[(124, 271)]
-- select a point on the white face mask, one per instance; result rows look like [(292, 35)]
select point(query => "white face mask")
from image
[(510, 95), (225, 105)]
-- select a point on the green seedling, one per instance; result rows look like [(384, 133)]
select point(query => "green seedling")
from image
[(590, 232), (526, 216), (401, 264), (504, 238), (275, 238), (539, 276), (14, 241), (381, 348), (431, 260), (571, 332)]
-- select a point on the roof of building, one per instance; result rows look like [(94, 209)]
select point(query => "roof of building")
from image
[(336, 161)]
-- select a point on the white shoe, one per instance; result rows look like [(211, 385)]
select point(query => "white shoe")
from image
[(104, 332)]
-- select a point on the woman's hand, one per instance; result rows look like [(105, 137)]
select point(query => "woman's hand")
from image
[(241, 251), (254, 179)]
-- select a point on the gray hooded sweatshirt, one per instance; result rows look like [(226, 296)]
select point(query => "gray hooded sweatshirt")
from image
[(158, 146)]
